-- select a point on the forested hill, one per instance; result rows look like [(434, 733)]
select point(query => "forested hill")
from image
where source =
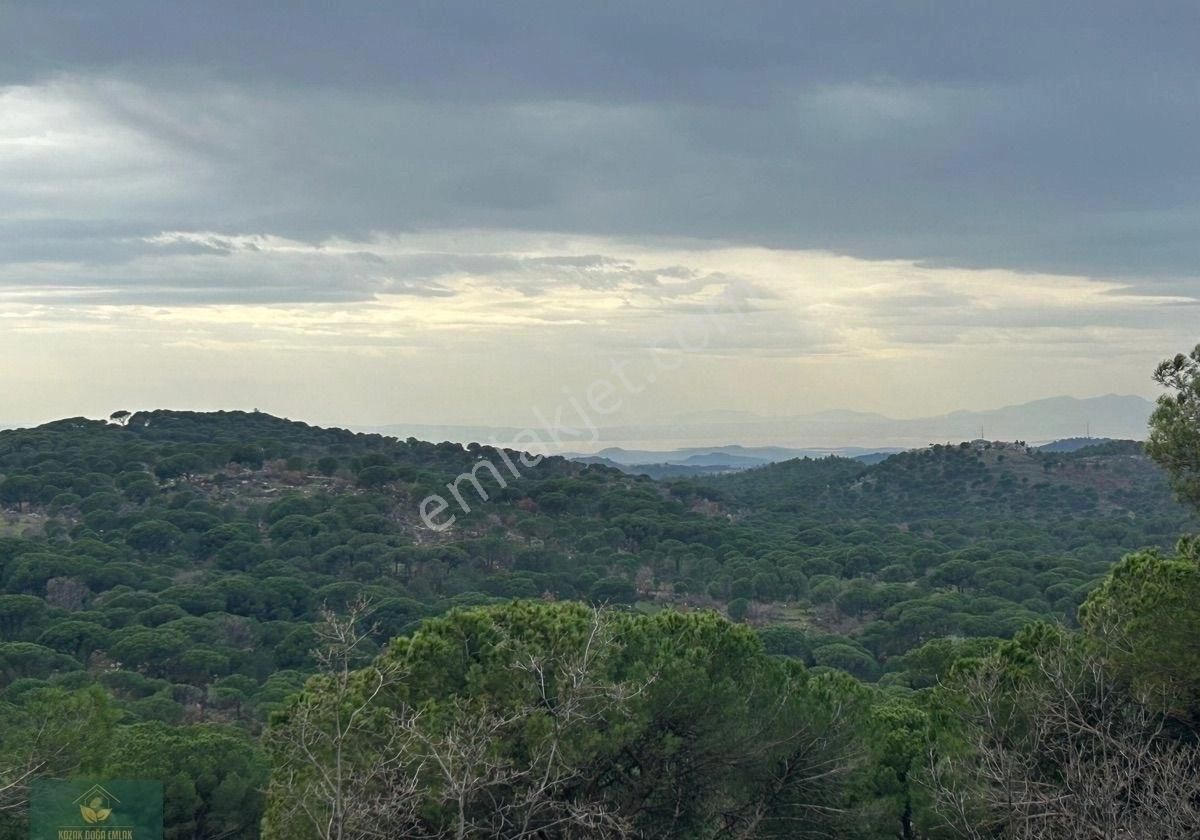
[(170, 568), (174, 443), (195, 549), (969, 480)]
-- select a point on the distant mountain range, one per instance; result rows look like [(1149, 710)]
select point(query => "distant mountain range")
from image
[(681, 463), (732, 455), (848, 433)]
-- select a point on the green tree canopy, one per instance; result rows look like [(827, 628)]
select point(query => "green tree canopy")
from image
[(1175, 425)]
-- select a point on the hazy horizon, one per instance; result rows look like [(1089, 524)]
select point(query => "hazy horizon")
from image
[(562, 430)]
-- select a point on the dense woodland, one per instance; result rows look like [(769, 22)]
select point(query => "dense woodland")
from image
[(967, 640)]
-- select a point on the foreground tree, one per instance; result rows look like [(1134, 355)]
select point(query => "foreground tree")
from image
[(48, 732), (557, 720), (1146, 618), (1047, 741), (1175, 426), (1145, 613), (212, 777)]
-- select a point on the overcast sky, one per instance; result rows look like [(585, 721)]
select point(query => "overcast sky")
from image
[(444, 212)]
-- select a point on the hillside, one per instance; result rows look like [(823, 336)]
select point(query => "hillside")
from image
[(181, 558), (965, 540), (977, 478)]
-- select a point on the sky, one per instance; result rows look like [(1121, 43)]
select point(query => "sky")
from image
[(467, 213)]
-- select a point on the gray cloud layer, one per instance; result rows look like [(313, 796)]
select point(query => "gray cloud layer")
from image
[(1051, 137)]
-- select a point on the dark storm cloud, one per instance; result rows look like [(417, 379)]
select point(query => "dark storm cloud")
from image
[(618, 50), (1038, 136)]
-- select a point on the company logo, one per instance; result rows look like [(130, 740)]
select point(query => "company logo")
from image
[(96, 805), (95, 809)]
